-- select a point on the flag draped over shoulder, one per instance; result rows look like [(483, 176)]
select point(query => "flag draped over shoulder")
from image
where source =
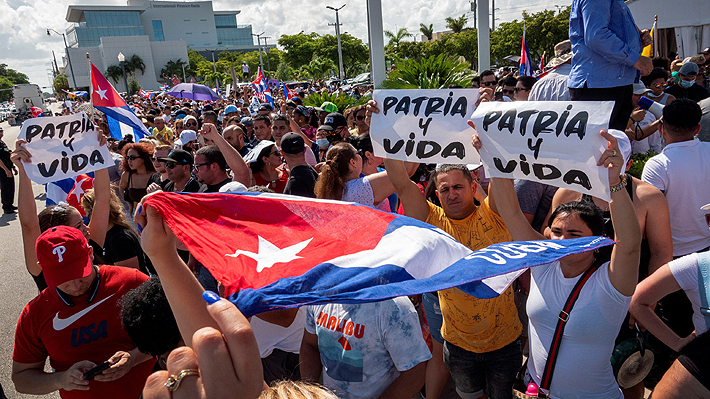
[(276, 251), (120, 116)]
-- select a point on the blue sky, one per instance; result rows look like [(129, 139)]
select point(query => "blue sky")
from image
[(24, 44)]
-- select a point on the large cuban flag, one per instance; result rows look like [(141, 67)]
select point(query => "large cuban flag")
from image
[(262, 89), (276, 251), (121, 118)]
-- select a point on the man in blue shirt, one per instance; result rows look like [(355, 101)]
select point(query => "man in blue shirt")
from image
[(606, 47)]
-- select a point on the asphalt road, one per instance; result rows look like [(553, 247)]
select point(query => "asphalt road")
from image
[(16, 286)]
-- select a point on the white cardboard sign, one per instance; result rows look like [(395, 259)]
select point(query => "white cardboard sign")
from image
[(62, 147), (552, 142), (426, 126)]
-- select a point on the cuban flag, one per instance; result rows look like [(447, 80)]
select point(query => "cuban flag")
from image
[(36, 112), (164, 87), (288, 93), (262, 89), (81, 184), (143, 93), (151, 95), (274, 251), (121, 118), (541, 67), (526, 68)]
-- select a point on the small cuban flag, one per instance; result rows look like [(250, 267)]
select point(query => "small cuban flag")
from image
[(526, 68), (36, 112), (262, 90)]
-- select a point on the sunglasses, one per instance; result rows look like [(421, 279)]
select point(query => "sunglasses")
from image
[(488, 83), (197, 165), (517, 89), (190, 124), (172, 165), (132, 158), (659, 85), (507, 91), (360, 117)]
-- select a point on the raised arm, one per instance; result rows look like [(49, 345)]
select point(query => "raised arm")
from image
[(508, 208), (413, 201), (382, 186), (98, 225), (240, 170), (27, 210), (623, 269)]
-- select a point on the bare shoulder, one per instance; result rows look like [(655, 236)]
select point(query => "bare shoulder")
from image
[(647, 193), (565, 196)]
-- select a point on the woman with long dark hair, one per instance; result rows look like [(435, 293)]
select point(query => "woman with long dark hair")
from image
[(137, 167), (264, 161)]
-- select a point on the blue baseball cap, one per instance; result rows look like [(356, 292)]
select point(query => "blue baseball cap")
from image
[(230, 108)]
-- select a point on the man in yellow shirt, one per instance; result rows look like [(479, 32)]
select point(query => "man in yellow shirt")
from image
[(161, 132), (481, 348)]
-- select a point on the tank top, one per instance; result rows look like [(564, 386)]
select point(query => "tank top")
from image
[(135, 194)]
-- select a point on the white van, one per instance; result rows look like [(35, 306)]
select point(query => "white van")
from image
[(28, 95)]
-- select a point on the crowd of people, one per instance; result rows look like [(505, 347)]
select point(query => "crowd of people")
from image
[(119, 292)]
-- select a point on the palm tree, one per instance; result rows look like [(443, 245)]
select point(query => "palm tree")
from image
[(435, 72), (456, 24), (135, 63), (173, 68), (114, 72), (427, 31), (398, 37)]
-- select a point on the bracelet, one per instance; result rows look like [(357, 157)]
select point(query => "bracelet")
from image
[(619, 186)]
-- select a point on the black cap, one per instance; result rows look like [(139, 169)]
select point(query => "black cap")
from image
[(292, 143), (706, 50), (333, 121), (178, 156), (208, 107)]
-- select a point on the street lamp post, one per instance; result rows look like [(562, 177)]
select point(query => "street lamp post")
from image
[(66, 48), (122, 61), (337, 33), (214, 66), (258, 41)]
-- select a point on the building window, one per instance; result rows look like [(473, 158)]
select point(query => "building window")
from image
[(158, 31)]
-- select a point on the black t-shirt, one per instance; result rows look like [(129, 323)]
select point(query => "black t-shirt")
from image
[(121, 244), (214, 188), (191, 187), (5, 155), (301, 181), (695, 92)]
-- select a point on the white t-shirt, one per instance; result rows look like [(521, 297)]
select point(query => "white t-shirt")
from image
[(364, 347), (682, 172), (685, 271), (583, 368), (654, 142), (360, 191), (245, 68), (271, 336)]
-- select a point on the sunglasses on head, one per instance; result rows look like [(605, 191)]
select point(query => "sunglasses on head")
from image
[(172, 165)]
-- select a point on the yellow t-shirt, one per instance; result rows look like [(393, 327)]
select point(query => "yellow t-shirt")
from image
[(476, 325), (166, 133)]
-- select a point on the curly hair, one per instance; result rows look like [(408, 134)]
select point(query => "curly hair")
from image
[(296, 390), (147, 318), (145, 151), (331, 181)]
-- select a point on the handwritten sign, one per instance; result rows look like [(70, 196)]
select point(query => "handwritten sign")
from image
[(556, 143), (62, 147), (428, 126)]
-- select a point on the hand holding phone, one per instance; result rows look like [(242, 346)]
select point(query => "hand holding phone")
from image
[(89, 375)]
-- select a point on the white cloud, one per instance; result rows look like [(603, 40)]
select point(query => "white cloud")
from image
[(24, 44)]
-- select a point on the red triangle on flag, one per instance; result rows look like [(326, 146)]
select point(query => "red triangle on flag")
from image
[(102, 92)]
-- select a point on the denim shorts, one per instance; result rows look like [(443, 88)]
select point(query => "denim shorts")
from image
[(430, 303), (476, 373)]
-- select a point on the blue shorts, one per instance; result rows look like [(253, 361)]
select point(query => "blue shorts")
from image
[(430, 302)]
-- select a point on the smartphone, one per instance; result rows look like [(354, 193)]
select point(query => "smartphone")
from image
[(89, 375)]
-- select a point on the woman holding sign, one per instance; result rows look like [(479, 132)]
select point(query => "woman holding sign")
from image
[(581, 367)]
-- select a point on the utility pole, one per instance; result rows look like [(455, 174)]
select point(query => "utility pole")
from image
[(55, 68), (473, 10), (493, 12), (214, 66), (266, 49), (66, 48), (337, 34), (258, 41)]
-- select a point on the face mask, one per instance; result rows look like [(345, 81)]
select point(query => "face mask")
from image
[(687, 84), (322, 143), (650, 94)]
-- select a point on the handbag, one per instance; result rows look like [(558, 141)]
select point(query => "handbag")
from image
[(518, 388)]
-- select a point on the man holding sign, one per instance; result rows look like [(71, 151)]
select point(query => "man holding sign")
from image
[(481, 348)]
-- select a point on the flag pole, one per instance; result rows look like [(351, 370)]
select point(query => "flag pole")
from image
[(655, 35), (91, 98)]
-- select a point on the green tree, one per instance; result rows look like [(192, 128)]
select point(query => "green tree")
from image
[(173, 68), (396, 38), (8, 78), (114, 72), (427, 31), (135, 63), (300, 49), (134, 86), (456, 24), (284, 72), (60, 83), (436, 72)]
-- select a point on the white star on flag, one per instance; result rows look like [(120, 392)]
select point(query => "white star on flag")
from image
[(269, 254), (78, 190), (102, 93)]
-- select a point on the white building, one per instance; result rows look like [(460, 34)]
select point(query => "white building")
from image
[(156, 31)]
